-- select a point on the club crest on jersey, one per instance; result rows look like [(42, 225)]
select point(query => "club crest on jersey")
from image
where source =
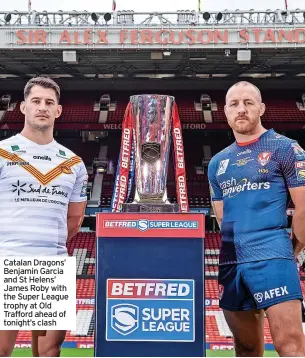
[(223, 165), (264, 158)]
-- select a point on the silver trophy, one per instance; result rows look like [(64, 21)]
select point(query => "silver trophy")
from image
[(151, 123)]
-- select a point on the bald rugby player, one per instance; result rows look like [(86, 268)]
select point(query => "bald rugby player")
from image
[(249, 183)]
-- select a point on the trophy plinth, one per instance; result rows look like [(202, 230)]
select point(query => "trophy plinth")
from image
[(150, 208)]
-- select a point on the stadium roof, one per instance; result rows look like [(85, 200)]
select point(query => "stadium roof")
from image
[(101, 69)]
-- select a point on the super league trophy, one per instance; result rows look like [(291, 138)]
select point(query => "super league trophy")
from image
[(151, 126)]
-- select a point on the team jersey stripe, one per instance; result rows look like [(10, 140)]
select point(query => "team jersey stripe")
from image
[(64, 167), (37, 183)]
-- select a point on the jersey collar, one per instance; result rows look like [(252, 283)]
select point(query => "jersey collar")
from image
[(243, 144), (34, 143)]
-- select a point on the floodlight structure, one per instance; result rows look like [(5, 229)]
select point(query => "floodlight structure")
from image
[(128, 17)]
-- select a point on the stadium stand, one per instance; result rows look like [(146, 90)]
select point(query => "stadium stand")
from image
[(82, 246), (81, 108)]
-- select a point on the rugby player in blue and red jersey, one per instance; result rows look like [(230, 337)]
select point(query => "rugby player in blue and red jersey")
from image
[(249, 182)]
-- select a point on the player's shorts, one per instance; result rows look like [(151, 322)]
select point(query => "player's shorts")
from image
[(258, 285)]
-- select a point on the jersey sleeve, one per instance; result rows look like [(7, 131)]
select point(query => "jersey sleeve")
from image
[(2, 163), (215, 190), (292, 159), (79, 193)]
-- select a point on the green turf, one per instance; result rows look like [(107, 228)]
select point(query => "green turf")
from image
[(65, 352), (212, 353), (86, 352)]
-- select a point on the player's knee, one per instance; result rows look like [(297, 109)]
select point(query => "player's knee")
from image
[(53, 351), (5, 352), (290, 345), (248, 350), (292, 349)]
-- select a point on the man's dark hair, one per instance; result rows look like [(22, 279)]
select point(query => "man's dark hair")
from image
[(44, 82)]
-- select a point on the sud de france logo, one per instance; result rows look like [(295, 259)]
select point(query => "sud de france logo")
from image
[(125, 318)]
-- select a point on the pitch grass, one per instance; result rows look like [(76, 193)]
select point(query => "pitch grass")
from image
[(87, 352), (65, 352)]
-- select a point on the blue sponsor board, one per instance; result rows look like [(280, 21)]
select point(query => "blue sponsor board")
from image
[(69, 345), (152, 318)]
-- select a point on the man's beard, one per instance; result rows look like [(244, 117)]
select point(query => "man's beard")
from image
[(247, 127), (39, 127)]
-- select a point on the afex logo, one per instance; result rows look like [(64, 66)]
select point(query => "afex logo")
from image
[(268, 295)]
